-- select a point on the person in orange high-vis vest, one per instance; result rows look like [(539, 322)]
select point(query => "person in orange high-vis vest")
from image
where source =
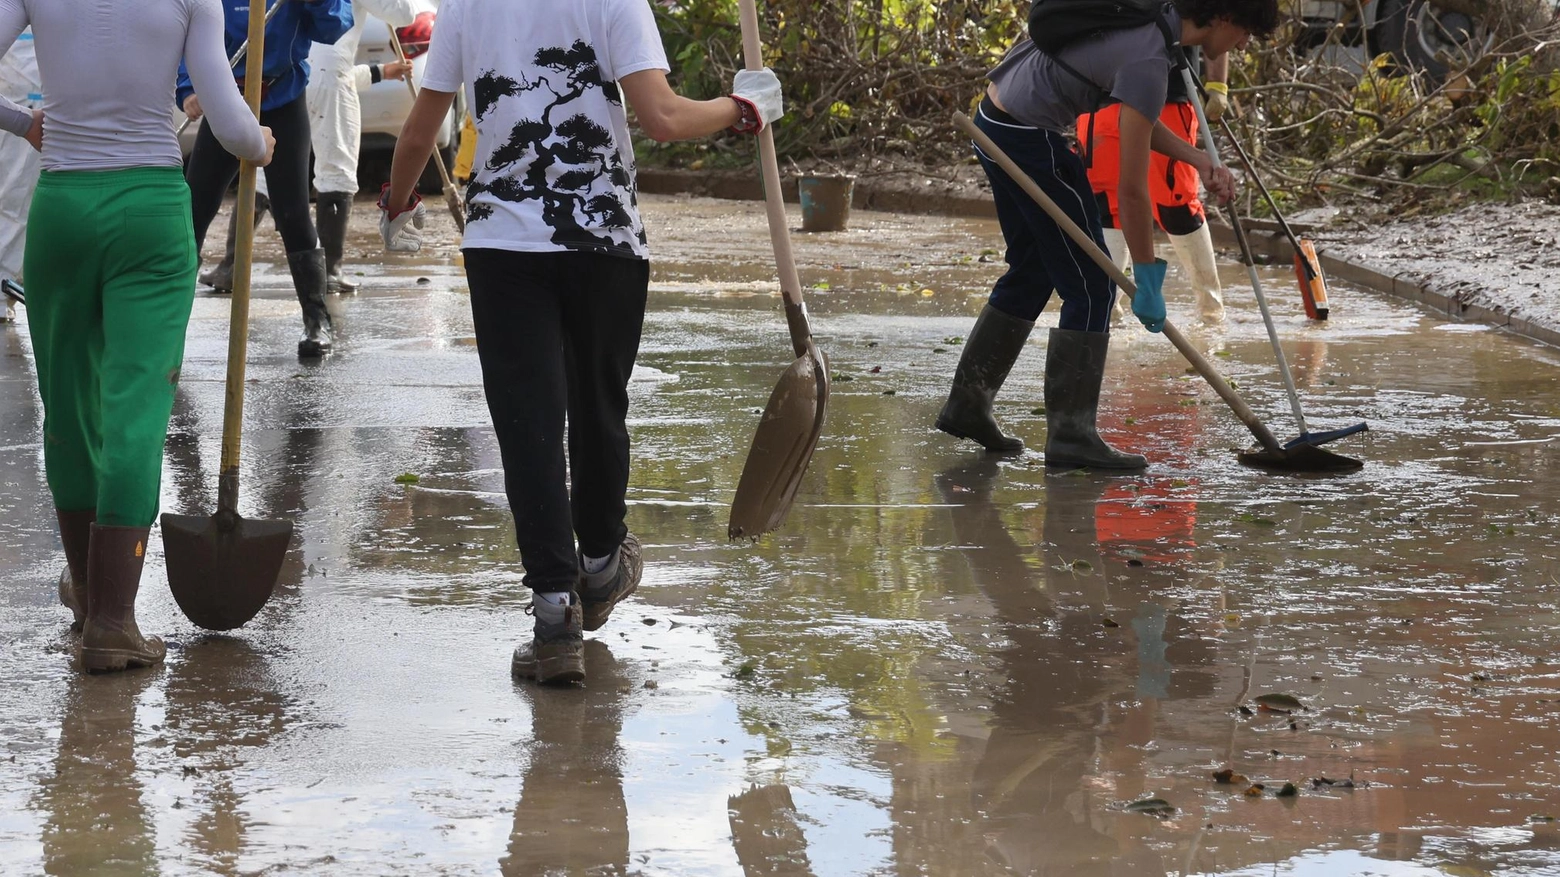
[(1172, 185)]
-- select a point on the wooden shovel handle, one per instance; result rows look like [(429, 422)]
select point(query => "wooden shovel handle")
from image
[(1086, 243), (243, 264), (774, 200)]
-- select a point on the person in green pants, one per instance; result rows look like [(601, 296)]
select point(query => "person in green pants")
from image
[(110, 265)]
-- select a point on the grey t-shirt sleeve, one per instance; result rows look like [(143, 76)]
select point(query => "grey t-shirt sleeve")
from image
[(14, 117), (1130, 65), (205, 57), (1142, 85)]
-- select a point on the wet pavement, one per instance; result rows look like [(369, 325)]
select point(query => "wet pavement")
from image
[(943, 664)]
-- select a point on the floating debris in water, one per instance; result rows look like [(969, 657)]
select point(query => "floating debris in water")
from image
[(1157, 807)]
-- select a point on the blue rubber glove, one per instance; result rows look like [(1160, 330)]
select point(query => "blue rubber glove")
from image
[(1148, 304)]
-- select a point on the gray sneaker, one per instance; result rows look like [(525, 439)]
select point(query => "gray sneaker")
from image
[(601, 591), (556, 653)]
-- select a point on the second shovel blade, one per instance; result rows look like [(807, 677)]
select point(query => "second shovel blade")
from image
[(222, 571), (782, 447)]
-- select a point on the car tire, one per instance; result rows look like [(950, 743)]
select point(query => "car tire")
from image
[(1409, 29)]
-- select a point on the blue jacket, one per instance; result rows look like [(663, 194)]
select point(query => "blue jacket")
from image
[(291, 31)]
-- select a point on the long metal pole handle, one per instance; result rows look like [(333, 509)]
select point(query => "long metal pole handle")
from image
[(1221, 386), (774, 199), (1245, 247), (243, 263)]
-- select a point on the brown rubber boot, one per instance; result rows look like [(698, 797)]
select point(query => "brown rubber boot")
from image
[(601, 591), (76, 533), (110, 639), (556, 654)]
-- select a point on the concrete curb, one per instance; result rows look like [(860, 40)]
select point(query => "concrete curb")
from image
[(1267, 240), (745, 186)]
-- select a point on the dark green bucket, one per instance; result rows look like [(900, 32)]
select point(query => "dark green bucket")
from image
[(826, 201)]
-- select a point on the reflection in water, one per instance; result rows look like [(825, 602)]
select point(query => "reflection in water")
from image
[(766, 833), (572, 818), (97, 820), (1067, 665), (221, 702)]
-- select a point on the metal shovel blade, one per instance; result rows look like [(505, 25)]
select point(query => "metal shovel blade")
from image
[(782, 447), (1304, 454), (223, 568)]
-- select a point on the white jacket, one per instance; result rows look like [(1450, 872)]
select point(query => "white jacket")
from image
[(19, 162), (334, 115)]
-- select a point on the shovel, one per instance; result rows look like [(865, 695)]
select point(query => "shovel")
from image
[(222, 569), (788, 432), (1269, 453), (452, 197), (1306, 437)]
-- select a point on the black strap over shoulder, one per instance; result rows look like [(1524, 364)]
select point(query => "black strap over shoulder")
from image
[(1056, 24)]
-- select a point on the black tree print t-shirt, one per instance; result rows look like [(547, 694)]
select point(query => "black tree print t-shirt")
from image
[(555, 163)]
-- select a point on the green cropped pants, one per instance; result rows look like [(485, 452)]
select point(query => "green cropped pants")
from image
[(110, 267)]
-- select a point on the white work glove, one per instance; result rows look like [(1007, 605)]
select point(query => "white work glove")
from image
[(402, 230), (758, 91), (1218, 101)]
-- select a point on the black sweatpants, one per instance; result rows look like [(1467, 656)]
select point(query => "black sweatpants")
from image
[(213, 168), (557, 334)]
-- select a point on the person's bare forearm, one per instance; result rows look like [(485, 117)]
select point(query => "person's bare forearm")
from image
[(1167, 142), (687, 119), (418, 136), (1216, 69), (1137, 220)]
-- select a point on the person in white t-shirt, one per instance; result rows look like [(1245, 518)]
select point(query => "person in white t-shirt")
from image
[(556, 259)]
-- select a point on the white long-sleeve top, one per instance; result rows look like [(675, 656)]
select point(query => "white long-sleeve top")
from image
[(108, 70)]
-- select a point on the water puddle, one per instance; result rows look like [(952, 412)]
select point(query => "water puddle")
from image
[(944, 663)]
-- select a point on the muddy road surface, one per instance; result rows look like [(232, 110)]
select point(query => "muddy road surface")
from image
[(944, 664)]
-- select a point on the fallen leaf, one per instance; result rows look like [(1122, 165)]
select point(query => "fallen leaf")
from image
[(1246, 711), (1288, 791), (1228, 777), (1279, 703), (1152, 806), (1109, 622), (406, 478), (1255, 791)]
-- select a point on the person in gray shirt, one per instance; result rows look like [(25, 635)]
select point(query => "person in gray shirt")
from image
[(1029, 110)]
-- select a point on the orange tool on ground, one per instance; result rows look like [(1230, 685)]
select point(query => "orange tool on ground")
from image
[(1308, 268)]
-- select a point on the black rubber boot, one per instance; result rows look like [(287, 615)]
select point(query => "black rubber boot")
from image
[(220, 278), (556, 653), (76, 535), (993, 346), (332, 214), (308, 273), (110, 639), (1074, 370)]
